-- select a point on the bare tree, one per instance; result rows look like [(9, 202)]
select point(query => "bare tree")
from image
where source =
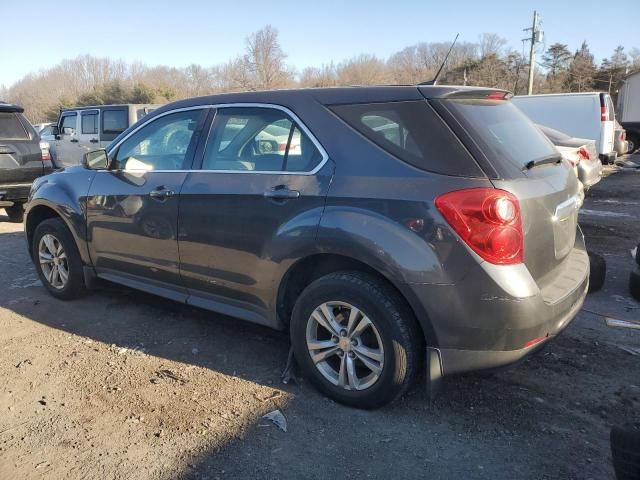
[(363, 70), (265, 59)]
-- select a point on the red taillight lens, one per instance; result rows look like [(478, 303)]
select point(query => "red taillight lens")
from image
[(497, 96), (46, 154), (583, 154), (488, 220), (623, 136), (604, 114)]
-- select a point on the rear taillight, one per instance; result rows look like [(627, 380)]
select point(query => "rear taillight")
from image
[(604, 114), (623, 136), (583, 154), (488, 220), (46, 154)]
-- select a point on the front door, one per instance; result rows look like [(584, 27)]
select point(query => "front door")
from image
[(132, 208), (67, 143), (259, 194)]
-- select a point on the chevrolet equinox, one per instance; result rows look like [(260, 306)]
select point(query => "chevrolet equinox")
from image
[(390, 230)]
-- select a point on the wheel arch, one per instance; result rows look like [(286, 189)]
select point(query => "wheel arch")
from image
[(306, 270)]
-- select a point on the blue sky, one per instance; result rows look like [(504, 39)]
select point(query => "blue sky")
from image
[(209, 32)]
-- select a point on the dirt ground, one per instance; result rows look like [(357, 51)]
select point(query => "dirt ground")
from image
[(123, 385)]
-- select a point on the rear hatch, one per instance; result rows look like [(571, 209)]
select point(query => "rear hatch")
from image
[(20, 154), (518, 158)]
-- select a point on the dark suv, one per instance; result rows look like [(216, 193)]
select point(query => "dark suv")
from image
[(384, 227), (23, 158)]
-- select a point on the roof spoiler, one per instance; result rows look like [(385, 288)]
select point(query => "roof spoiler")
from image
[(435, 79), (10, 108)]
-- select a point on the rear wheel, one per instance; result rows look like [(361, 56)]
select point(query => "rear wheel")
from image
[(15, 212), (57, 259), (355, 339)]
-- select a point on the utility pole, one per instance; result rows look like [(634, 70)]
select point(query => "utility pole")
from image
[(535, 37)]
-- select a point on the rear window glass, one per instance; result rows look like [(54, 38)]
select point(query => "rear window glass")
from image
[(11, 128), (114, 121), (413, 132), (503, 132)]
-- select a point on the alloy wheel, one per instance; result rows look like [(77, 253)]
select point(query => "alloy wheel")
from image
[(345, 345), (53, 261)]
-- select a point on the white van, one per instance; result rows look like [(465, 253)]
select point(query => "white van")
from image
[(584, 115), (82, 129)]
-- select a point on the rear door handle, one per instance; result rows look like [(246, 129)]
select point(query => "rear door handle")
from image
[(281, 193), (161, 192), (94, 140), (6, 150), (74, 140)]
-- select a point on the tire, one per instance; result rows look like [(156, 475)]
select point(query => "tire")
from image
[(15, 213), (634, 284), (56, 229), (597, 272), (637, 255), (392, 333), (625, 453)]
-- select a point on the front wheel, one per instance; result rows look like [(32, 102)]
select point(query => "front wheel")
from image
[(57, 259), (355, 339)]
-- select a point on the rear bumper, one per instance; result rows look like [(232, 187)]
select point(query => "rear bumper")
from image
[(458, 361), (496, 316), (14, 193)]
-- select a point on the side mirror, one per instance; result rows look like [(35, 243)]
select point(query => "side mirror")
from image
[(68, 131), (96, 160)]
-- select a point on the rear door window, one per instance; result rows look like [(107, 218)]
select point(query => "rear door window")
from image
[(11, 128), (89, 122), (412, 132), (260, 140)]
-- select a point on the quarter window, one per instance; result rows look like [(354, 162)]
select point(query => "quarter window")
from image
[(163, 144), (259, 139), (89, 122)]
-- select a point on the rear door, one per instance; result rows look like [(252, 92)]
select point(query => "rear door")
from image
[(132, 208), (67, 143), (89, 130), (20, 155), (528, 166), (260, 190), (113, 121)]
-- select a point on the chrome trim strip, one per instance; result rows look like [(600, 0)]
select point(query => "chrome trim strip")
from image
[(303, 127)]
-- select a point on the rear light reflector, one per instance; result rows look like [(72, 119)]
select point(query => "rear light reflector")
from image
[(604, 114), (583, 154), (488, 220), (535, 341)]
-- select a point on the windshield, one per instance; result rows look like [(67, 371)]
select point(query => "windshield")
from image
[(502, 131)]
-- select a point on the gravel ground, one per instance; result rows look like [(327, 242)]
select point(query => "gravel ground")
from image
[(123, 385)]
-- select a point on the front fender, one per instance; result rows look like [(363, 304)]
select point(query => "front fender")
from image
[(65, 194)]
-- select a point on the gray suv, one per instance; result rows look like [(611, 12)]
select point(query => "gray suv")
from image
[(390, 230)]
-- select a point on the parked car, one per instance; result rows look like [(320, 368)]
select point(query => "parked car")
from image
[(629, 108), (82, 129), (449, 235), (42, 127), (581, 115), (23, 158), (580, 152), (622, 145)]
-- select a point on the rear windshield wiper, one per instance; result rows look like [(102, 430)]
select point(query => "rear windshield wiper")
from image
[(553, 158)]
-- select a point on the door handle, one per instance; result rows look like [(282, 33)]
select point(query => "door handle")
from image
[(6, 150), (94, 140), (74, 140), (281, 193), (161, 192)]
